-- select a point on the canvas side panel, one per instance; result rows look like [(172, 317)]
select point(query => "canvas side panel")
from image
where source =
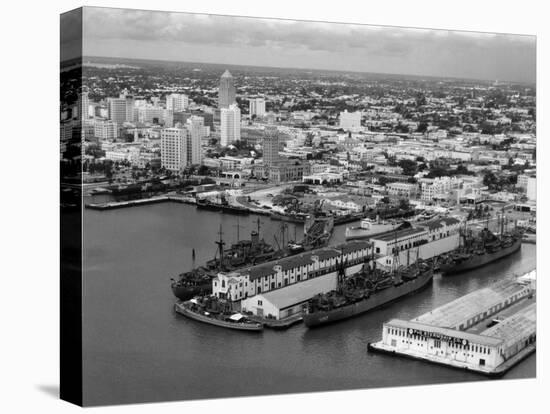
[(71, 135)]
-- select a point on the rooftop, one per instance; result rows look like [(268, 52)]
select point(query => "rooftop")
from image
[(396, 235), (516, 327), (452, 314)]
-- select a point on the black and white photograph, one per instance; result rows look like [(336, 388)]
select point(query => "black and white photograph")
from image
[(269, 206)]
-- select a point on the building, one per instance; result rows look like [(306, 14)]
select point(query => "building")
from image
[(117, 110), (230, 126), (295, 279), (438, 188), (226, 94), (529, 184), (83, 105), (177, 102), (271, 146), (350, 121), (257, 107), (407, 190), (196, 133), (425, 241), (486, 331), (105, 130), (174, 148)]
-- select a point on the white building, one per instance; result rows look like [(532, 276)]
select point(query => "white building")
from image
[(438, 188), (117, 110), (318, 267), (456, 334), (177, 102), (173, 148), (350, 121), (230, 126), (257, 107), (105, 130), (196, 132)]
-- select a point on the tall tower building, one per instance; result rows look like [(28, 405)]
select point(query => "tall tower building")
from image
[(117, 108), (230, 125), (271, 146), (196, 132), (257, 107), (226, 94), (173, 148)]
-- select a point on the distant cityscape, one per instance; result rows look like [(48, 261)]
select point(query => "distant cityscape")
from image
[(433, 142)]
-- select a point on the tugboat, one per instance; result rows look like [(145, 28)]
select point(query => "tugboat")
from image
[(217, 312), (365, 291), (478, 251)]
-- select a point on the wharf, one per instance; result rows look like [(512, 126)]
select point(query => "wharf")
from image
[(139, 202), (487, 331)]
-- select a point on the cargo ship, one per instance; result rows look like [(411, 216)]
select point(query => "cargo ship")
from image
[(477, 251), (365, 291), (198, 281), (214, 311), (245, 253), (223, 205)]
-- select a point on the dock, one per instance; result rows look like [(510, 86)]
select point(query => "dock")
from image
[(140, 202), (487, 331)]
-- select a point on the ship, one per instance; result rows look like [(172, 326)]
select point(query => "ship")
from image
[(369, 228), (217, 312), (480, 250), (198, 281), (367, 290), (223, 205), (245, 253)]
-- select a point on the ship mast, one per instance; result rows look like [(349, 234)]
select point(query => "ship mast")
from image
[(220, 244)]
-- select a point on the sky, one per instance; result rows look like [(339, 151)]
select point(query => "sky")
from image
[(313, 45)]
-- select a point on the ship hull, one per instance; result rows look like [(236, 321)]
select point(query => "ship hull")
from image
[(479, 261), (249, 327), (376, 300), (188, 292)]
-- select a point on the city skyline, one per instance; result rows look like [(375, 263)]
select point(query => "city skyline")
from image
[(307, 45)]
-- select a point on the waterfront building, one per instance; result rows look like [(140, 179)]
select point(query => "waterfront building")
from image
[(350, 121), (438, 188), (257, 107), (174, 148), (226, 94), (177, 102), (106, 130), (287, 276), (487, 331), (424, 241), (230, 126)]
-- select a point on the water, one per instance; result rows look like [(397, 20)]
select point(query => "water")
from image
[(137, 349)]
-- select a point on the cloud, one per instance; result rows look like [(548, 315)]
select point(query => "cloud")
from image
[(382, 47)]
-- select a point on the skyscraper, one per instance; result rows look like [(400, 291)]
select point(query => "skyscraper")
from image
[(196, 132), (118, 110), (271, 146), (226, 94), (257, 106), (230, 125)]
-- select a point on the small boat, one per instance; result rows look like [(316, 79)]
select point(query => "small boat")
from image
[(212, 311)]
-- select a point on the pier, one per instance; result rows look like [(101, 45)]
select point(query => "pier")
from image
[(140, 202), (487, 331)]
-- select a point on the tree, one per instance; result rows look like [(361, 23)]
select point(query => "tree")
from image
[(409, 167), (422, 127)]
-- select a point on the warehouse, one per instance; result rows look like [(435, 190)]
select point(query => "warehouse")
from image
[(487, 331)]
